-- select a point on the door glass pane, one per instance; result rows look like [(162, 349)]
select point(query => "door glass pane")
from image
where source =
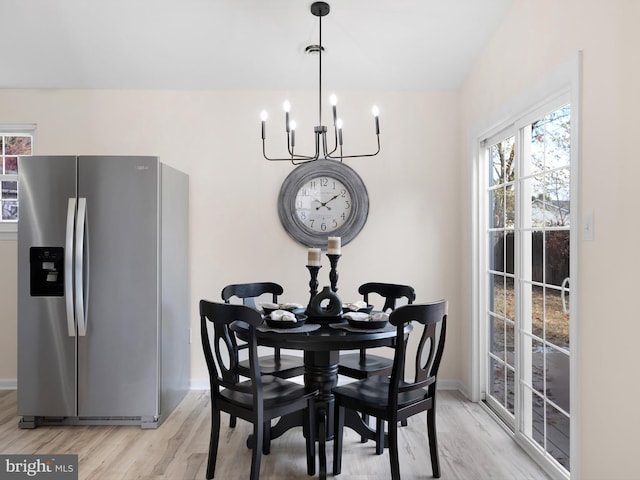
[(557, 430), (497, 295), (557, 378), (11, 165), (537, 417), (511, 390), (497, 342), (537, 366), (509, 299), (536, 257), (537, 310), (556, 246), (501, 162), (509, 206), (496, 251), (9, 210)]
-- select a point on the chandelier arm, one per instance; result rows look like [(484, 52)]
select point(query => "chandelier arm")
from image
[(335, 142), (304, 158), (357, 156)]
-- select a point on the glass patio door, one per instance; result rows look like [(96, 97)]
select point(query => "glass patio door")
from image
[(526, 279)]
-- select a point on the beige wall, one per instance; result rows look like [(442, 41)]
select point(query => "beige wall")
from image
[(533, 39), (411, 235)]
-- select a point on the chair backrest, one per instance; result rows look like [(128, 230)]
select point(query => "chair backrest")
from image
[(391, 292), (429, 350), (221, 352), (248, 292)]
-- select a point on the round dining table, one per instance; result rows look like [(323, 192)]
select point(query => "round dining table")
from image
[(321, 345)]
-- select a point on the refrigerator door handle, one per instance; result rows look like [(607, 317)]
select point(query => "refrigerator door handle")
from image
[(68, 267), (81, 288)]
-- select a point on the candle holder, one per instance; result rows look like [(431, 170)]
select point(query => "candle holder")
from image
[(333, 274), (313, 283)]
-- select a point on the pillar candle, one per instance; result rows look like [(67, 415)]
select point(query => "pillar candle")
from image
[(333, 246), (313, 257)]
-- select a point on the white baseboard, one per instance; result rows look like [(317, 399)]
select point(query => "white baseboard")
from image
[(8, 383), (199, 384)]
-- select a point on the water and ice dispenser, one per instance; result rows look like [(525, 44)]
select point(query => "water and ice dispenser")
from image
[(47, 271)]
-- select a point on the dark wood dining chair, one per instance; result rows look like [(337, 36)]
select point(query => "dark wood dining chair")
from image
[(282, 366), (257, 400), (278, 364), (362, 364), (393, 399)]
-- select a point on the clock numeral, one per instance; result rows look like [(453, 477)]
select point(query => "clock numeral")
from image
[(347, 204), (335, 224), (323, 226), (303, 216), (324, 181), (343, 193)]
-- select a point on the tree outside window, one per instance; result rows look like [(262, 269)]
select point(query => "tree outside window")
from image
[(11, 146)]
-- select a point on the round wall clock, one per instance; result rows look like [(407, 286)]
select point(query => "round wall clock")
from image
[(321, 199)]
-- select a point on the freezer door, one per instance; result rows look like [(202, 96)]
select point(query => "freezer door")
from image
[(118, 356), (46, 344)]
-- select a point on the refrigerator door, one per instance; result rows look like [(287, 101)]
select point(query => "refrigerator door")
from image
[(118, 357), (47, 344)]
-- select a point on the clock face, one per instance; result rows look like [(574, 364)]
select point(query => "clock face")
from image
[(323, 198), (323, 204)]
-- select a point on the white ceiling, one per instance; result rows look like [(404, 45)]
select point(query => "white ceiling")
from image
[(242, 44)]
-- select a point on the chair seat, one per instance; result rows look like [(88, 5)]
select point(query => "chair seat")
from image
[(373, 392), (275, 391), (288, 366), (352, 366)]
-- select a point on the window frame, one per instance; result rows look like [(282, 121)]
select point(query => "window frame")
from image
[(565, 79), (9, 230)]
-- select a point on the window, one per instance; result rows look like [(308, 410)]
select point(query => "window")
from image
[(14, 141)]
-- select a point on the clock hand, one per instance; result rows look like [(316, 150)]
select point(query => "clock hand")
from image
[(332, 199), (324, 204), (321, 204)]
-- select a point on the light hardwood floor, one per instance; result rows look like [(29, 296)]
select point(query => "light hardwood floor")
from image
[(472, 447)]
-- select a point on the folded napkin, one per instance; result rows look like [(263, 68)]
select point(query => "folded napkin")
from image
[(358, 316), (283, 316), (270, 306), (379, 316), (355, 306)]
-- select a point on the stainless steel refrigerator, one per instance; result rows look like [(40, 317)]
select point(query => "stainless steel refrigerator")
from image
[(103, 300)]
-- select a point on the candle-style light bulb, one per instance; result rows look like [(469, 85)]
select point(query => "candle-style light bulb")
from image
[(292, 125), (339, 127), (333, 100), (287, 107), (376, 113), (264, 115)]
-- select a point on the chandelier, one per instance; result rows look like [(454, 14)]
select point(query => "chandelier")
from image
[(318, 9)]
